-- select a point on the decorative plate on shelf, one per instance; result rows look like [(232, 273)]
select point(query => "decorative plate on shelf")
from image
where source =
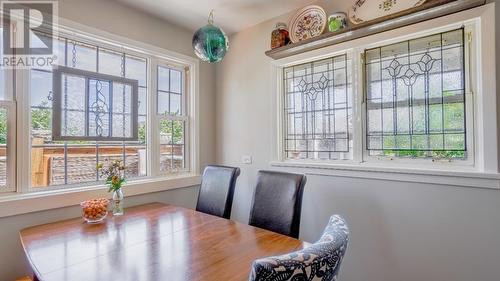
[(367, 10), (309, 22)]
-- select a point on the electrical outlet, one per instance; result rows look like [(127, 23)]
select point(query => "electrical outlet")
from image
[(246, 159)]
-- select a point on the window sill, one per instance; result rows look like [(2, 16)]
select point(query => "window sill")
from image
[(456, 177), (20, 203)]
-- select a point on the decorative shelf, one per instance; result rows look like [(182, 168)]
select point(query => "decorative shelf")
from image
[(429, 10)]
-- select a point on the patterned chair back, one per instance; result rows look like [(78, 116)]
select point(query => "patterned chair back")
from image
[(320, 261)]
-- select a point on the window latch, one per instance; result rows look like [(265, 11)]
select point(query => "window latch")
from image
[(469, 36)]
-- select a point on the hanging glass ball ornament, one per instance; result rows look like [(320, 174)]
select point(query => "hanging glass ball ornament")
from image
[(210, 43)]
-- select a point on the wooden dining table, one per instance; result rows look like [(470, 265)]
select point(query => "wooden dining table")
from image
[(150, 242)]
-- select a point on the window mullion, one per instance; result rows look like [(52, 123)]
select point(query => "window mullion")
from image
[(23, 163), (470, 90), (358, 93), (280, 139), (153, 120), (188, 125)]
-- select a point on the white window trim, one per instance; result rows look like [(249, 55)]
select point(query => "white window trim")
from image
[(482, 172), (153, 183), (186, 112)]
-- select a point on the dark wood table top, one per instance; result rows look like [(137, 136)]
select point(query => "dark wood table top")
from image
[(150, 242)]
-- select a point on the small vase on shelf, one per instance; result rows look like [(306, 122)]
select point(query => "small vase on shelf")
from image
[(280, 36), (337, 21)]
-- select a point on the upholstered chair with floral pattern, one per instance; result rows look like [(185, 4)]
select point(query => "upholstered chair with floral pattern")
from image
[(318, 262)]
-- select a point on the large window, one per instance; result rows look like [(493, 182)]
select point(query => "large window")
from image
[(318, 103), (108, 98), (99, 105), (74, 162), (416, 97), (403, 101)]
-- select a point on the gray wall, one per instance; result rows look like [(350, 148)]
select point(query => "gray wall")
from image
[(400, 231), (120, 20)]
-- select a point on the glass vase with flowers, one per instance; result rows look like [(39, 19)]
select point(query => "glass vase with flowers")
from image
[(115, 179)]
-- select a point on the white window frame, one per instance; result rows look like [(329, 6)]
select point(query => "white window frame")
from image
[(281, 101), (20, 171), (185, 116), (480, 104)]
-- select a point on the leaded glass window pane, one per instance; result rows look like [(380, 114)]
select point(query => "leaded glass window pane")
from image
[(415, 104), (82, 56), (136, 68), (94, 106), (73, 107), (318, 110), (111, 62)]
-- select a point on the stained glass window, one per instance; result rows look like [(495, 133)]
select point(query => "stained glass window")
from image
[(94, 106), (415, 97), (318, 110)]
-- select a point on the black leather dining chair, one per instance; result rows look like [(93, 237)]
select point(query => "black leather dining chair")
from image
[(217, 190), (277, 202)]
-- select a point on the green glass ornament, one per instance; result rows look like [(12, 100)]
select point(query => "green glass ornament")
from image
[(210, 43), (334, 25)]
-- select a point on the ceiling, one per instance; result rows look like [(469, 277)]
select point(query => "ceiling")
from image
[(231, 15)]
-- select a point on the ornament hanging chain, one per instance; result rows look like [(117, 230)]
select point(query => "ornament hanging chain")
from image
[(211, 17)]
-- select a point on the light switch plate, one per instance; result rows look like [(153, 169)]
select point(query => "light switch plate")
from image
[(246, 159)]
